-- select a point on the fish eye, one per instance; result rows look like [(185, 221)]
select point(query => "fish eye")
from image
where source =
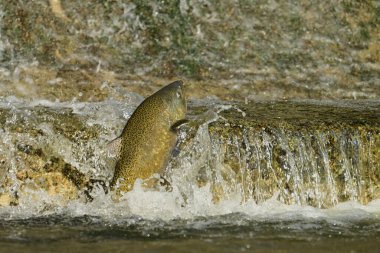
[(178, 94)]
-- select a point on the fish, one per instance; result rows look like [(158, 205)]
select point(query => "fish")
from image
[(149, 136)]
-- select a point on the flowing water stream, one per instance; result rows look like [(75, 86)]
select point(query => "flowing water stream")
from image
[(282, 153), (267, 176)]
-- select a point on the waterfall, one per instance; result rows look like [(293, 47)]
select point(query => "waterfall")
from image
[(298, 153), (319, 165)]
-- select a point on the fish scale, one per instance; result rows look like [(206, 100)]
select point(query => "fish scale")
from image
[(148, 138)]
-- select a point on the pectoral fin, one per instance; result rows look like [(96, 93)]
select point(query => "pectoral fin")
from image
[(176, 126)]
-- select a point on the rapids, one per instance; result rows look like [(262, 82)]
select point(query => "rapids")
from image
[(282, 153)]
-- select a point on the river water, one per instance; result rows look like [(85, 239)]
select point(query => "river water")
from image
[(188, 218), (267, 228), (285, 156)]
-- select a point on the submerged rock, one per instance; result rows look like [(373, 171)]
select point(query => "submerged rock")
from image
[(303, 152)]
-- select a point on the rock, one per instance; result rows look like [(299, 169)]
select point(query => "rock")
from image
[(303, 152)]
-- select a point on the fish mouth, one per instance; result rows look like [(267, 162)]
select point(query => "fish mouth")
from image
[(177, 84), (173, 89)]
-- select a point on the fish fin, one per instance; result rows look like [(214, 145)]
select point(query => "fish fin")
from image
[(166, 184), (176, 126), (115, 177), (114, 147)]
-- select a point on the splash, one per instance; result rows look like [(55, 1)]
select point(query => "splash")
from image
[(224, 164)]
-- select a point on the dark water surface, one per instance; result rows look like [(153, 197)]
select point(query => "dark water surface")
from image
[(227, 233)]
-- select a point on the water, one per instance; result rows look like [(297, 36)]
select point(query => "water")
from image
[(271, 165), (222, 198), (267, 228), (245, 49)]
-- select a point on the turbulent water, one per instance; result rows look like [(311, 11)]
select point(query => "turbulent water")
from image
[(278, 168), (270, 227), (205, 209)]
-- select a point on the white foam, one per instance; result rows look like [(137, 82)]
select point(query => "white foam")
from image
[(162, 205), (198, 201)]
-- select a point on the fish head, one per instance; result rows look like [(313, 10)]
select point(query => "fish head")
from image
[(174, 96)]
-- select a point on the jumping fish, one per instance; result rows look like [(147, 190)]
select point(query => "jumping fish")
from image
[(149, 136)]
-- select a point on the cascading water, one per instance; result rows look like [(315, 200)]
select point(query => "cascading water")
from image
[(230, 171), (233, 166), (257, 168), (320, 165), (224, 152)]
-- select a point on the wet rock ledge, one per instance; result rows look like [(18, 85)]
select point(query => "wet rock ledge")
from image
[(300, 152)]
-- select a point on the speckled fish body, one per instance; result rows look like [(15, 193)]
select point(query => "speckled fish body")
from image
[(148, 137)]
